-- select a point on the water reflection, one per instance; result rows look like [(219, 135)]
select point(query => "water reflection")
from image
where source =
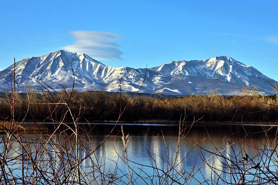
[(197, 158)]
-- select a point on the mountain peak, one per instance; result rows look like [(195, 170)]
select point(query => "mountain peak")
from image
[(64, 52), (227, 60), (223, 58), (68, 56)]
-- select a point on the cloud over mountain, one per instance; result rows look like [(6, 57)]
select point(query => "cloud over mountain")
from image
[(96, 44)]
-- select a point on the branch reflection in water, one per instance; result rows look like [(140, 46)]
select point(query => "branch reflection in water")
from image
[(212, 156)]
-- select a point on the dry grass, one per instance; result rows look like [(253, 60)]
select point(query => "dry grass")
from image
[(105, 107), (58, 157)]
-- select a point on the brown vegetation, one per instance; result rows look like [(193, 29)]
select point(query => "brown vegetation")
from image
[(102, 106)]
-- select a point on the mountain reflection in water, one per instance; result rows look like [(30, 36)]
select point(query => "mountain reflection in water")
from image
[(200, 156)]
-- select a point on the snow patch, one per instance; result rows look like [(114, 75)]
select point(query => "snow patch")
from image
[(165, 89)]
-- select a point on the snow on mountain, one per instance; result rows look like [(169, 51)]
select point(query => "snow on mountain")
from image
[(59, 69)]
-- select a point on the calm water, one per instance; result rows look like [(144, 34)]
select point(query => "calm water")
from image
[(159, 156)]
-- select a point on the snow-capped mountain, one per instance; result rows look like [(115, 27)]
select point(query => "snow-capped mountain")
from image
[(59, 69)]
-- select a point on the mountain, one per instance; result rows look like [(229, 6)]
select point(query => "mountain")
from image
[(59, 69)]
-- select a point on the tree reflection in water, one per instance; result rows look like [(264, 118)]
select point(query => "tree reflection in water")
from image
[(161, 158)]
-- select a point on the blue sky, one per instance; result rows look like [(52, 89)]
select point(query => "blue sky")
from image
[(144, 32)]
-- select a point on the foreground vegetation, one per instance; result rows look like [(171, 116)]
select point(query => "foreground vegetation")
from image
[(70, 155), (102, 107), (67, 155)]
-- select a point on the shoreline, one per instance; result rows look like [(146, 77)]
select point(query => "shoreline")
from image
[(159, 123), (45, 127)]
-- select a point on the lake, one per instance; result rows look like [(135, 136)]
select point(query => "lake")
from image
[(147, 154)]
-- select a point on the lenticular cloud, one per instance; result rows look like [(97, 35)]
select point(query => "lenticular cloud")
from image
[(96, 44)]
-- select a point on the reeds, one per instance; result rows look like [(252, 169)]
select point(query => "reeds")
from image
[(70, 155), (104, 107)]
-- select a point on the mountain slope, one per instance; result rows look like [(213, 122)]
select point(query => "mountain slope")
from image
[(224, 74), (59, 69)]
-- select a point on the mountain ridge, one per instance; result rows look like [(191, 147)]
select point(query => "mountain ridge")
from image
[(58, 69)]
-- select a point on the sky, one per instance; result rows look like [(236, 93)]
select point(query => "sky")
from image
[(142, 33)]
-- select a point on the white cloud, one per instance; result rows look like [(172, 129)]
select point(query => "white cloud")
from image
[(272, 39), (96, 44)]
